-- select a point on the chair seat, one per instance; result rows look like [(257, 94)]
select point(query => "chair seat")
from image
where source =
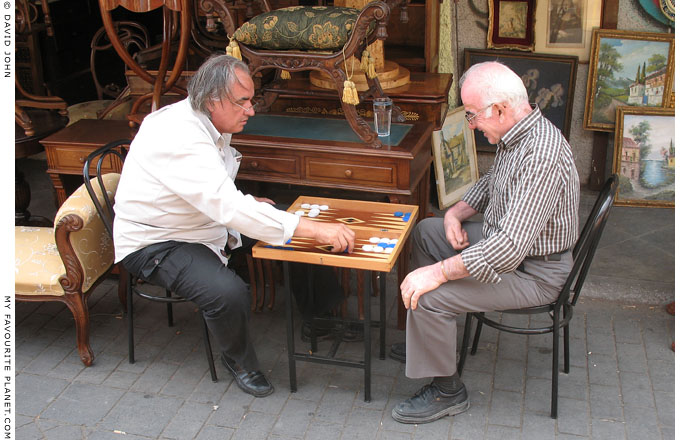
[(37, 263)]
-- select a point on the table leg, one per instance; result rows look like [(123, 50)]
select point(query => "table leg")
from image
[(290, 329), (382, 315), (367, 338)]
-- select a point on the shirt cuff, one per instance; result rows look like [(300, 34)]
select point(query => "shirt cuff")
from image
[(477, 266)]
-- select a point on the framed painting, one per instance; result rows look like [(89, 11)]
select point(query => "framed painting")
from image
[(511, 24), (565, 27), (645, 156), (455, 158), (627, 68), (549, 80)]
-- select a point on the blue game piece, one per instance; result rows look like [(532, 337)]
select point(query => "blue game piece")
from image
[(398, 214), (289, 240), (406, 217)]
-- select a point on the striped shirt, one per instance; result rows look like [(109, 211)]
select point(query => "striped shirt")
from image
[(529, 198)]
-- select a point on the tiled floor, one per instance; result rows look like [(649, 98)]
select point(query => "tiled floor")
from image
[(620, 385)]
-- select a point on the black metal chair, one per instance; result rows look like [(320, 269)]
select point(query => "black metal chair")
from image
[(106, 159), (561, 310)]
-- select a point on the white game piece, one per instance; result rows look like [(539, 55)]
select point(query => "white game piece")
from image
[(314, 206), (299, 213), (394, 241), (305, 205), (324, 207), (368, 248), (313, 212), (388, 250), (378, 249), (385, 240), (374, 240)]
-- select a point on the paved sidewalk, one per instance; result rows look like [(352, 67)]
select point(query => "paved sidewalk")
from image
[(620, 386)]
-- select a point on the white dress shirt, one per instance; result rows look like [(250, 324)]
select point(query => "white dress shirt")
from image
[(178, 184)]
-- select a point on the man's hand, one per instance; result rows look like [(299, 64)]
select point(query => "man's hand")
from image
[(264, 199), (337, 235), (417, 283), (455, 234)]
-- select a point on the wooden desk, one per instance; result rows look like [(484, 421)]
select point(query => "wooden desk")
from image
[(67, 149), (367, 219)]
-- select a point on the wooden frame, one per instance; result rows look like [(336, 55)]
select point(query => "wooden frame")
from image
[(619, 74), (455, 158), (550, 82), (644, 156), (555, 34), (511, 24)]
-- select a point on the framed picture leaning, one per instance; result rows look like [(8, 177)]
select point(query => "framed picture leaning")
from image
[(565, 27), (511, 24), (455, 158), (549, 80), (645, 157), (627, 68)]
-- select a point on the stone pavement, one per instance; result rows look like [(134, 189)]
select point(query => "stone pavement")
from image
[(620, 386)]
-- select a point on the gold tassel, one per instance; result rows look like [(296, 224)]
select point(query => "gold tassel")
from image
[(233, 49), (284, 74), (371, 71), (364, 62), (350, 95)]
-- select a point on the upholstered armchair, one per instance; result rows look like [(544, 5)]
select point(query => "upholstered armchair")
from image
[(66, 262), (317, 38)]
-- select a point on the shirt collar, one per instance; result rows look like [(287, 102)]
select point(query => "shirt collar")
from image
[(220, 139), (520, 129)]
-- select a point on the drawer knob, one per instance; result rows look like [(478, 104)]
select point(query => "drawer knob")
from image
[(254, 164), (348, 173), (82, 159)]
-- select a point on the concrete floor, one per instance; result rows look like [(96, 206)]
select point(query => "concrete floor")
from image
[(620, 386)]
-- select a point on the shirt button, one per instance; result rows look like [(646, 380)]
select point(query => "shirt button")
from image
[(156, 261)]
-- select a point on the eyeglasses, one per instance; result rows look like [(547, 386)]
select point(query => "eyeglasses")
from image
[(469, 116), (246, 109)]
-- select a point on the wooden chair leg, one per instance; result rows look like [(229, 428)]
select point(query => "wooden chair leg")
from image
[(271, 284), (252, 280), (260, 287), (77, 303)]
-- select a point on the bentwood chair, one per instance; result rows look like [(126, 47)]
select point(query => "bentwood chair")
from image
[(110, 156), (561, 310)]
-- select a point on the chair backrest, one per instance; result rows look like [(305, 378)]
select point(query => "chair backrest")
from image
[(115, 150), (587, 243)]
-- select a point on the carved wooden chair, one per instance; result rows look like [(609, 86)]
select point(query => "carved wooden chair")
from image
[(66, 262), (176, 36), (264, 49)]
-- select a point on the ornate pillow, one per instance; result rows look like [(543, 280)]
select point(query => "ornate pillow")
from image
[(299, 27)]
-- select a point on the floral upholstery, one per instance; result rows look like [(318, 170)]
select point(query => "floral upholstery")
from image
[(38, 264), (299, 27)]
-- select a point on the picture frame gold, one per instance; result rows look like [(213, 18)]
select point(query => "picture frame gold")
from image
[(511, 24), (565, 27), (644, 157), (619, 74), (455, 158)]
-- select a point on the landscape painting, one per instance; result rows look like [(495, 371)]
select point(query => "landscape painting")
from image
[(645, 157), (455, 158), (627, 69)]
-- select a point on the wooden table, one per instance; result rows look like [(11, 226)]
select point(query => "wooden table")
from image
[(389, 221)]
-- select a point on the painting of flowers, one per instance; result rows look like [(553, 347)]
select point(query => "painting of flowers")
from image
[(645, 156), (549, 80), (627, 69)]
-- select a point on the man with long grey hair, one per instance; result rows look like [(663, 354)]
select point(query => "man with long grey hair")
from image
[(519, 256), (178, 212)]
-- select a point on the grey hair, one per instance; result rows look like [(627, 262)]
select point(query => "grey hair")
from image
[(213, 81), (498, 83)]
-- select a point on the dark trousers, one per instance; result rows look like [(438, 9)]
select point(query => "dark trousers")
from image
[(194, 272)]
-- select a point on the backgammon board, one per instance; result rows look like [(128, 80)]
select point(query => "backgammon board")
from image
[(381, 230)]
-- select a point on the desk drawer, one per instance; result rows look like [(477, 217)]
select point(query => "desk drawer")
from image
[(71, 160), (378, 173), (286, 166)]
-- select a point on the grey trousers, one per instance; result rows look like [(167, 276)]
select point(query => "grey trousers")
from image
[(432, 329)]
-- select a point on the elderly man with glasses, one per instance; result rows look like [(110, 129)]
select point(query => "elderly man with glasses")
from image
[(518, 256), (178, 212)]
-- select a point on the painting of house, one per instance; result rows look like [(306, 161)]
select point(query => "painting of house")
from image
[(630, 159)]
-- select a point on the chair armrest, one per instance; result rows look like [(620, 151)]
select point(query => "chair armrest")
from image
[(82, 240)]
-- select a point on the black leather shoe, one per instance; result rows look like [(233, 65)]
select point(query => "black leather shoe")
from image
[(399, 351), (429, 404), (251, 382), (323, 331)]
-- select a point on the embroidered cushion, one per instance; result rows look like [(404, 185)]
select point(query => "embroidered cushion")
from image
[(299, 28)]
